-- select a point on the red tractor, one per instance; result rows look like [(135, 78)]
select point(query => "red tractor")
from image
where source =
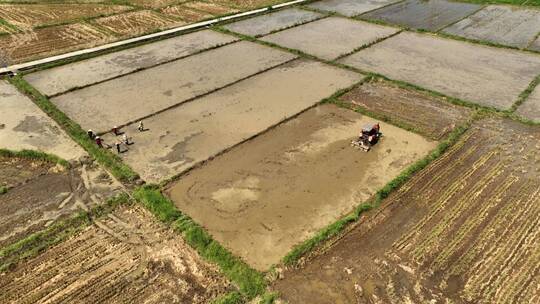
[(369, 136)]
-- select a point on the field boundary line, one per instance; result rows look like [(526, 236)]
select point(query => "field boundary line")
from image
[(34, 63)]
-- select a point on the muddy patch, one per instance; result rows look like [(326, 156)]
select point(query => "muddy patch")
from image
[(229, 116), (349, 7), (271, 193), (486, 75), (330, 37), (431, 116), (63, 78), (121, 100), (40, 193), (530, 109), (464, 229), (265, 24), (128, 258), (507, 25), (25, 126), (421, 14)]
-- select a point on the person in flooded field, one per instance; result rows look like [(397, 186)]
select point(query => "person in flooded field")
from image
[(141, 126), (91, 134), (125, 139), (117, 144), (115, 131)]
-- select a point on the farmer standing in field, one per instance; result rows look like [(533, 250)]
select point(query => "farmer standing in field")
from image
[(141, 126), (91, 134), (117, 146), (99, 142)]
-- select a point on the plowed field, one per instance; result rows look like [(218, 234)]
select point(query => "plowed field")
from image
[(185, 13), (40, 193), (30, 16), (136, 23), (127, 257), (464, 230), (50, 41)]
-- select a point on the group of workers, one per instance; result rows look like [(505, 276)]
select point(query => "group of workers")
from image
[(116, 131)]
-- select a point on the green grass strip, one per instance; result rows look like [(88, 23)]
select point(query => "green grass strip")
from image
[(337, 227), (233, 297), (37, 155), (107, 159), (38, 242), (3, 190), (249, 281)]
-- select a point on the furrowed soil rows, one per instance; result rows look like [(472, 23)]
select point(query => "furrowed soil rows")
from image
[(212, 8), (182, 137), (51, 41), (154, 3), (83, 73), (136, 23), (263, 197), (464, 229), (126, 257), (185, 13), (40, 193), (24, 126), (428, 115), (30, 16), (247, 4)]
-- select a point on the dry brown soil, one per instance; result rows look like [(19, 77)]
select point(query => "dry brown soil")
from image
[(40, 193), (30, 16), (185, 13), (50, 41), (136, 23), (430, 116), (127, 257), (212, 8), (267, 195), (464, 230)]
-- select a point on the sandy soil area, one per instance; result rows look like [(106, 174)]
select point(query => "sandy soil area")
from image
[(40, 193), (486, 75), (349, 7), (263, 197), (330, 37), (126, 257), (180, 138), (262, 25), (464, 230), (129, 98), (24, 126), (531, 107), (430, 116), (508, 25), (420, 14), (83, 73)]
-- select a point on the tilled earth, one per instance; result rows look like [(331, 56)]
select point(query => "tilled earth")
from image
[(126, 257), (40, 193), (464, 230)]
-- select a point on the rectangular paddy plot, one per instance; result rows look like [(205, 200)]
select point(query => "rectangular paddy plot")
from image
[(265, 196), (331, 37), (485, 75), (420, 14), (39, 193), (349, 7), (466, 229), (131, 97), (430, 116), (25, 126), (507, 25), (126, 257), (530, 108), (265, 24), (182, 137), (83, 73)]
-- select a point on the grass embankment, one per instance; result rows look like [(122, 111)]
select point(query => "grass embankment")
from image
[(107, 159), (334, 229), (249, 281), (36, 243), (36, 155)]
